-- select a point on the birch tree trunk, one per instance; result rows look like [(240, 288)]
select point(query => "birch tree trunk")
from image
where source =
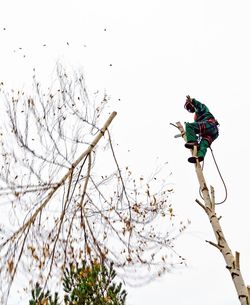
[(232, 262)]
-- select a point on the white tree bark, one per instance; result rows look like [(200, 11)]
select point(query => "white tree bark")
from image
[(232, 262)]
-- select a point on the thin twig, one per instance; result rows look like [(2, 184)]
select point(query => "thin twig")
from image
[(200, 204), (213, 244)]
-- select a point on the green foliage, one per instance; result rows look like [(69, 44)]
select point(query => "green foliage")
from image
[(43, 298), (92, 286), (85, 285)]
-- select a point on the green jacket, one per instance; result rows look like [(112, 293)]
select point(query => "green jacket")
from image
[(202, 113)]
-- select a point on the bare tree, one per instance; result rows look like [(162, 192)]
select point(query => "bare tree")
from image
[(232, 261), (65, 195)]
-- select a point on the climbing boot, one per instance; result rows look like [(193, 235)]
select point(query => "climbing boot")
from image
[(191, 145), (193, 159)]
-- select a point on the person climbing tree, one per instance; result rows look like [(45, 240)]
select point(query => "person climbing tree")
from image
[(203, 131)]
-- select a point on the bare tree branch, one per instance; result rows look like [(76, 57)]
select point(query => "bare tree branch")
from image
[(64, 205)]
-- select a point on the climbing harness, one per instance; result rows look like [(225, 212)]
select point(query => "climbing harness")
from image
[(216, 165)]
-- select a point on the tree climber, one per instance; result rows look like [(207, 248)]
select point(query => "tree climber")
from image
[(203, 131)]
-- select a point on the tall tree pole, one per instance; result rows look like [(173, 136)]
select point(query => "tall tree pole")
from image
[(232, 261)]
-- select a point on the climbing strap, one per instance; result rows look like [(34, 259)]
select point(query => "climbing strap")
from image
[(219, 172)]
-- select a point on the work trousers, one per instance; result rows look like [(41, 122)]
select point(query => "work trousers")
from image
[(205, 132)]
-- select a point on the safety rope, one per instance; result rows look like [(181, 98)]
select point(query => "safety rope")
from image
[(219, 172)]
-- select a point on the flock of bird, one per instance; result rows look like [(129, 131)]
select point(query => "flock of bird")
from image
[(45, 45)]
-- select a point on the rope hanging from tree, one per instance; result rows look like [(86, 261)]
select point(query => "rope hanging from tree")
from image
[(219, 172)]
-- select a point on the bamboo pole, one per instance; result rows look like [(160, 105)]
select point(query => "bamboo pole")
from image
[(232, 262)]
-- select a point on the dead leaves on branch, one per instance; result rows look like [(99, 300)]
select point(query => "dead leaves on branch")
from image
[(65, 206)]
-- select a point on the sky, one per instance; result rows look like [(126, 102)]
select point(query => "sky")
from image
[(148, 55)]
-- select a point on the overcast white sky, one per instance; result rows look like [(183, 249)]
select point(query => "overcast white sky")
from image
[(151, 54)]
